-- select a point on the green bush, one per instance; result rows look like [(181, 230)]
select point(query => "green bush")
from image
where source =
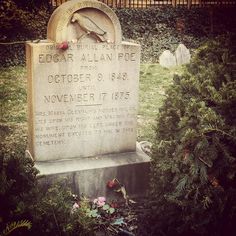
[(20, 24), (43, 209), (17, 26), (52, 212), (155, 28), (32, 4), (194, 154), (17, 177)]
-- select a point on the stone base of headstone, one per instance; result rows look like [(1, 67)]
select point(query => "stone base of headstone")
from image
[(89, 176)]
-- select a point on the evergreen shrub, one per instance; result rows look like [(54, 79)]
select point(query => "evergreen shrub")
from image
[(52, 212), (17, 178), (155, 28), (193, 181), (18, 24)]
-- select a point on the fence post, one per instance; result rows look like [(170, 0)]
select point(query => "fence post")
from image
[(200, 3), (189, 4), (211, 19), (174, 3)]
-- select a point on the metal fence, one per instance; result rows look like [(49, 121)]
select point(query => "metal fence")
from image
[(151, 3)]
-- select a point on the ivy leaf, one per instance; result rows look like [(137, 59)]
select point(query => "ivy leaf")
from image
[(119, 221), (105, 207), (111, 210), (92, 213)]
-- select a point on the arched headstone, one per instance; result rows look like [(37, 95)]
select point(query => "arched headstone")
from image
[(182, 55), (167, 59), (83, 100)]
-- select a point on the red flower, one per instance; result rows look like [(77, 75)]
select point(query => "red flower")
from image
[(64, 45), (114, 205), (112, 183)]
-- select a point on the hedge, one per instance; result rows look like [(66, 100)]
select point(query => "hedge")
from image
[(156, 29)]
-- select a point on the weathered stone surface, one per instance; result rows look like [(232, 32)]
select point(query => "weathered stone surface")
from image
[(82, 101), (182, 55), (61, 26), (167, 59), (90, 175)]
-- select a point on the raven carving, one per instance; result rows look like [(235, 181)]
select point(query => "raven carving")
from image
[(89, 27)]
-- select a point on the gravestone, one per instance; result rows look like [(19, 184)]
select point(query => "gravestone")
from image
[(182, 55), (167, 59), (83, 100)]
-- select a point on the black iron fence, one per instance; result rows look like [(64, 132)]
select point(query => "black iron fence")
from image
[(151, 3)]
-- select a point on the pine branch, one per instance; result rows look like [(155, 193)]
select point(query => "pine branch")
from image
[(182, 184), (207, 164), (208, 130), (15, 225)]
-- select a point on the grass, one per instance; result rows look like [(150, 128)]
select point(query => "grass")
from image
[(13, 126), (13, 94), (154, 80)]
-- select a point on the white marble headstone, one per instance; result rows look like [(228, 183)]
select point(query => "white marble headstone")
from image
[(167, 59), (82, 101), (182, 55)]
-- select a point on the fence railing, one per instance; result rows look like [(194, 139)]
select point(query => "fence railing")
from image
[(150, 3)]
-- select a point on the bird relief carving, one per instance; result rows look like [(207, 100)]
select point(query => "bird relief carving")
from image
[(89, 28)]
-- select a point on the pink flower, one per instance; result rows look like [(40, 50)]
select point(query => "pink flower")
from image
[(100, 204), (100, 201), (74, 207)]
